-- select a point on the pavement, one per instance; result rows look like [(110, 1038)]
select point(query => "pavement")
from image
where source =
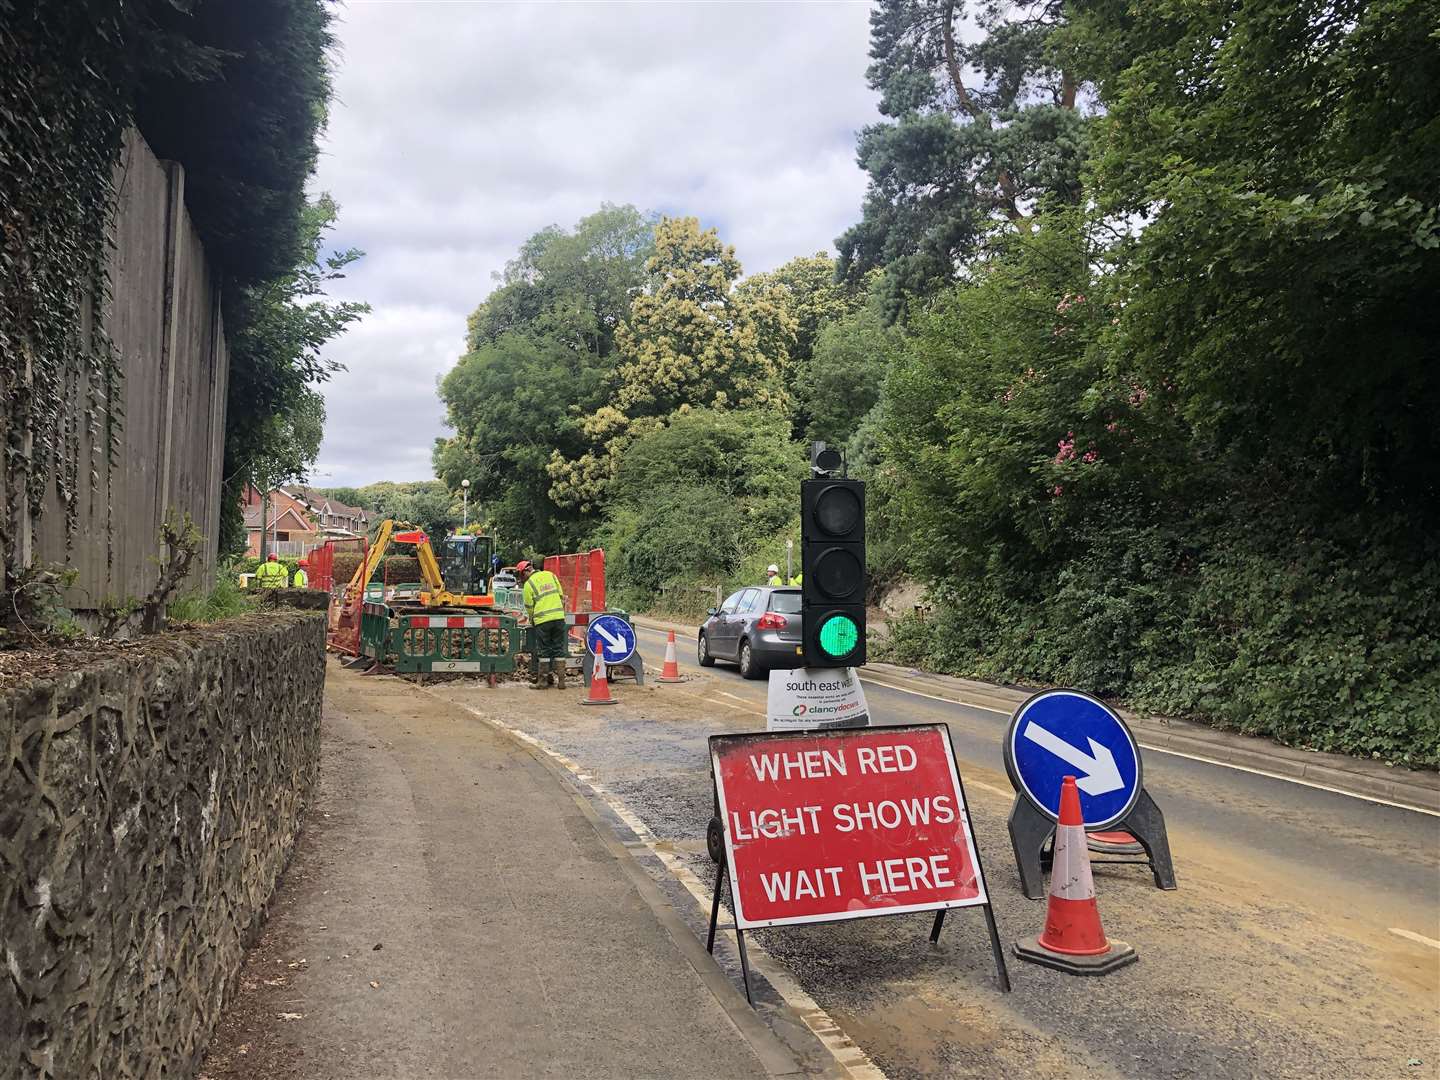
[(456, 909)]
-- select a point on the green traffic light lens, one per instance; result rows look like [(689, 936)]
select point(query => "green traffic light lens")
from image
[(839, 635)]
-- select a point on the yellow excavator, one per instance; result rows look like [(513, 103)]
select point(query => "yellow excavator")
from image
[(459, 578)]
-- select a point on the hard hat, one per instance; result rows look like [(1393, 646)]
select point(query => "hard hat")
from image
[(303, 562), (522, 567), (772, 569), (273, 556)]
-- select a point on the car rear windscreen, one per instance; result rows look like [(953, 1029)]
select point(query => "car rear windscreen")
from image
[(785, 603)]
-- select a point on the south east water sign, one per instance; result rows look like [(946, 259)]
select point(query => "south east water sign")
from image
[(1060, 733), (611, 638)]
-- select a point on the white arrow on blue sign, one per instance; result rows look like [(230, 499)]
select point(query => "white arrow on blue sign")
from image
[(611, 638), (1059, 733)]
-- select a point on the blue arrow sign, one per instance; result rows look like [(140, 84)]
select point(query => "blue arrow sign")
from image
[(611, 638), (1060, 733)]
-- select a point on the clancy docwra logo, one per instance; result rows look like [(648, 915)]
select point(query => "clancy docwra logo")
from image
[(800, 710)]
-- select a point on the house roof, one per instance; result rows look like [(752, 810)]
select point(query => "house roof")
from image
[(276, 518), (325, 504)]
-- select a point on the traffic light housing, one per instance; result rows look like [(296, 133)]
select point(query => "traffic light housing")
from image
[(832, 560)]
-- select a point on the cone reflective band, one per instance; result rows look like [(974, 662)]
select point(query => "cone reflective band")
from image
[(834, 581)]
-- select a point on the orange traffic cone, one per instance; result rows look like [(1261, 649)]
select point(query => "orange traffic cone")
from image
[(1073, 939), (599, 686), (671, 671)]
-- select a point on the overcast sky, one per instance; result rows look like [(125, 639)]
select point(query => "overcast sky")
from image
[(461, 127)]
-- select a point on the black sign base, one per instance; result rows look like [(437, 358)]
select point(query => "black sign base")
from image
[(634, 666), (1031, 831), (1119, 955)]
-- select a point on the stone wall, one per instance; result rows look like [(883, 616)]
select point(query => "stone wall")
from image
[(148, 804)]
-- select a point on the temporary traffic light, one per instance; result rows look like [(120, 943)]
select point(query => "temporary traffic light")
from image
[(832, 560)]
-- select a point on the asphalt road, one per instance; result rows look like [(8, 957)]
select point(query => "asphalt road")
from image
[(1385, 850), (1301, 942)]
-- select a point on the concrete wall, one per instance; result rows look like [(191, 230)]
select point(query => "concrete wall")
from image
[(164, 320), (148, 804)]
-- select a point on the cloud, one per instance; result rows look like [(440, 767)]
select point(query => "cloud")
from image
[(460, 129)]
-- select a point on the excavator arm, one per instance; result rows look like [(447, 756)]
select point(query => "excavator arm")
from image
[(366, 570)]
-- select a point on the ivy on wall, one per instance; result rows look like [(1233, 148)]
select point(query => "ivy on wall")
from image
[(234, 90), (61, 128)]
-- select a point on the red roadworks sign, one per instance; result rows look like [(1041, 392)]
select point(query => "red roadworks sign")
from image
[(844, 823)]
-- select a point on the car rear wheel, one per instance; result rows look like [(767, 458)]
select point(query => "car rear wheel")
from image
[(748, 668), (702, 652)]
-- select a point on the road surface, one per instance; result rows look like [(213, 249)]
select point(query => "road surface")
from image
[(1302, 940)]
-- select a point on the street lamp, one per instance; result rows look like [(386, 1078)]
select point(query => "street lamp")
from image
[(464, 504)]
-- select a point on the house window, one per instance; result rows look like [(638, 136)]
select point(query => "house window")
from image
[(282, 536)]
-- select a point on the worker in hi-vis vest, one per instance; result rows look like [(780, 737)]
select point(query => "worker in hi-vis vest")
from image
[(301, 580), (545, 605), (271, 573)]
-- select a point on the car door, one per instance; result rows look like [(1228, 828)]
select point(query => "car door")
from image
[(740, 621), (752, 602), (724, 630)]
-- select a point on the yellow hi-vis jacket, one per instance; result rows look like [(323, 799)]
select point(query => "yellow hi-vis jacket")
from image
[(301, 579), (544, 602), (271, 575)]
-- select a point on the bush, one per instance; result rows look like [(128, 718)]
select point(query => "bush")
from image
[(225, 601), (395, 570), (700, 503), (1304, 640)]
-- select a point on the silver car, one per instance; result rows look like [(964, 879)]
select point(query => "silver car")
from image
[(757, 628)]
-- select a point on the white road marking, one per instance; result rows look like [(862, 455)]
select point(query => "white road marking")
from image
[(1410, 935), (1173, 753), (737, 697), (737, 708)]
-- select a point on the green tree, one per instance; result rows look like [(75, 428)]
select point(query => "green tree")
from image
[(274, 416), (844, 379), (1283, 155), (980, 134), (540, 356), (1173, 445), (808, 289), (692, 341), (691, 500)]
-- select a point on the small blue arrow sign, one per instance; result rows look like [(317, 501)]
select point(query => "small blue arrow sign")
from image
[(611, 638), (1059, 733)]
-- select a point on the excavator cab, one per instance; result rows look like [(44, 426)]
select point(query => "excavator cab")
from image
[(465, 564)]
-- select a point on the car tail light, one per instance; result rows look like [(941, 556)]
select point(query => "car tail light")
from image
[(772, 621)]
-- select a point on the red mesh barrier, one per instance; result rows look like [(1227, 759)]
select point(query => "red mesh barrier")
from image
[(582, 579)]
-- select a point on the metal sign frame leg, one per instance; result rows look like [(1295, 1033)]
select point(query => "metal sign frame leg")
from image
[(1029, 831), (720, 876)]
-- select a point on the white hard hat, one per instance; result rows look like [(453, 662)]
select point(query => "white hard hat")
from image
[(772, 569)]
